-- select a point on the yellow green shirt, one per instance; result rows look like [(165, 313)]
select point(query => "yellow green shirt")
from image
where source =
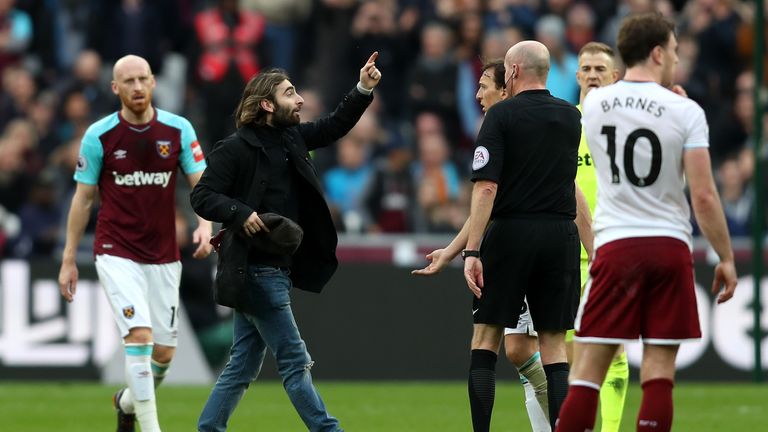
[(586, 178)]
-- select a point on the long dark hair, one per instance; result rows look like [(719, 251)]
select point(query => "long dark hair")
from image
[(260, 87)]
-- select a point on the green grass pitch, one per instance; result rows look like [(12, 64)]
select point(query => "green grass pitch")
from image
[(361, 406)]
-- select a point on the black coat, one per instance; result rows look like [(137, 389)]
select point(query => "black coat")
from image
[(235, 181)]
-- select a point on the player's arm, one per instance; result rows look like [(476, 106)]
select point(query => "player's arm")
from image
[(77, 220), (483, 196), (584, 222), (202, 234), (439, 258), (710, 217)]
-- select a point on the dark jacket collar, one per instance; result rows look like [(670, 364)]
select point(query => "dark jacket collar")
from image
[(248, 133)]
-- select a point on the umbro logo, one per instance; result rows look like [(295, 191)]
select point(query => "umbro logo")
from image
[(120, 154)]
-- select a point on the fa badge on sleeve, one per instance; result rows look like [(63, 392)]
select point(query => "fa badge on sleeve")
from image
[(480, 159)]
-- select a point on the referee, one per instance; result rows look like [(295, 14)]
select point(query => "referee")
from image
[(523, 171)]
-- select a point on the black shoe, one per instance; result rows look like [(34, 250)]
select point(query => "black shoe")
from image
[(125, 422)]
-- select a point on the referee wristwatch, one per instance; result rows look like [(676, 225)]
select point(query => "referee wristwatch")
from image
[(470, 253)]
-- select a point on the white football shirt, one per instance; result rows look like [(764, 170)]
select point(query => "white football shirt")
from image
[(637, 134)]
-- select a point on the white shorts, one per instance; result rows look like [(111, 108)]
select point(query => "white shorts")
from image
[(142, 295), (524, 323)]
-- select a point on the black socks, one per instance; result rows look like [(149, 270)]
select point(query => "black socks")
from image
[(482, 388), (557, 388)]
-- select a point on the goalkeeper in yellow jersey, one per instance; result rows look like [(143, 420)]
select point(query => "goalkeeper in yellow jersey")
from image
[(597, 69)]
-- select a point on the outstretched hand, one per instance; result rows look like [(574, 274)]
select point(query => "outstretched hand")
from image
[(438, 259), (370, 75)]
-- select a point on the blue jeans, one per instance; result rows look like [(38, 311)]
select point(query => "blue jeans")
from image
[(272, 326)]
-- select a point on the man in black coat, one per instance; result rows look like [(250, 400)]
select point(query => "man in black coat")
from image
[(265, 167)]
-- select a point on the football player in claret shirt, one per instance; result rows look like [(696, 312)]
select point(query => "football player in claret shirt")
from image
[(130, 158)]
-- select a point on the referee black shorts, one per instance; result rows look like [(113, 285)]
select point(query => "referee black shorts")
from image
[(534, 258)]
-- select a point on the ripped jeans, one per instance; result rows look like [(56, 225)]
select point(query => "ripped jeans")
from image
[(272, 326)]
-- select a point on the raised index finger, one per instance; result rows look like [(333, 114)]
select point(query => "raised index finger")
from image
[(373, 57)]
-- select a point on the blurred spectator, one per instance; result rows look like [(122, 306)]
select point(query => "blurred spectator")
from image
[(20, 134), (283, 18), (437, 186), (331, 22), (625, 8), (68, 30), (14, 179), (735, 195), (43, 114), (61, 164), (227, 51), (511, 13), (139, 27), (734, 124), (40, 217), (555, 7), (18, 94), (718, 62), (374, 28), (428, 124), (390, 196), (580, 26), (470, 36), (75, 116), (345, 183), (15, 33), (561, 81), (687, 52), (452, 10), (86, 79), (432, 81)]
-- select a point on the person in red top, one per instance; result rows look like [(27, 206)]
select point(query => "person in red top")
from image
[(130, 158), (227, 52)]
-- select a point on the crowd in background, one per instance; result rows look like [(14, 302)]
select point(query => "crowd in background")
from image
[(404, 167)]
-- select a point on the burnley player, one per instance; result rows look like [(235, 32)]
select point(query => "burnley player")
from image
[(131, 158), (646, 142)]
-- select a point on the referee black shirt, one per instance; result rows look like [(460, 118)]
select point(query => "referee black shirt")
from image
[(528, 145)]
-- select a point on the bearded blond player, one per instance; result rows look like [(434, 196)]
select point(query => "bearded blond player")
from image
[(131, 159)]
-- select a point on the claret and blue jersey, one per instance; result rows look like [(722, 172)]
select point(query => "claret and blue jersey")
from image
[(135, 169)]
